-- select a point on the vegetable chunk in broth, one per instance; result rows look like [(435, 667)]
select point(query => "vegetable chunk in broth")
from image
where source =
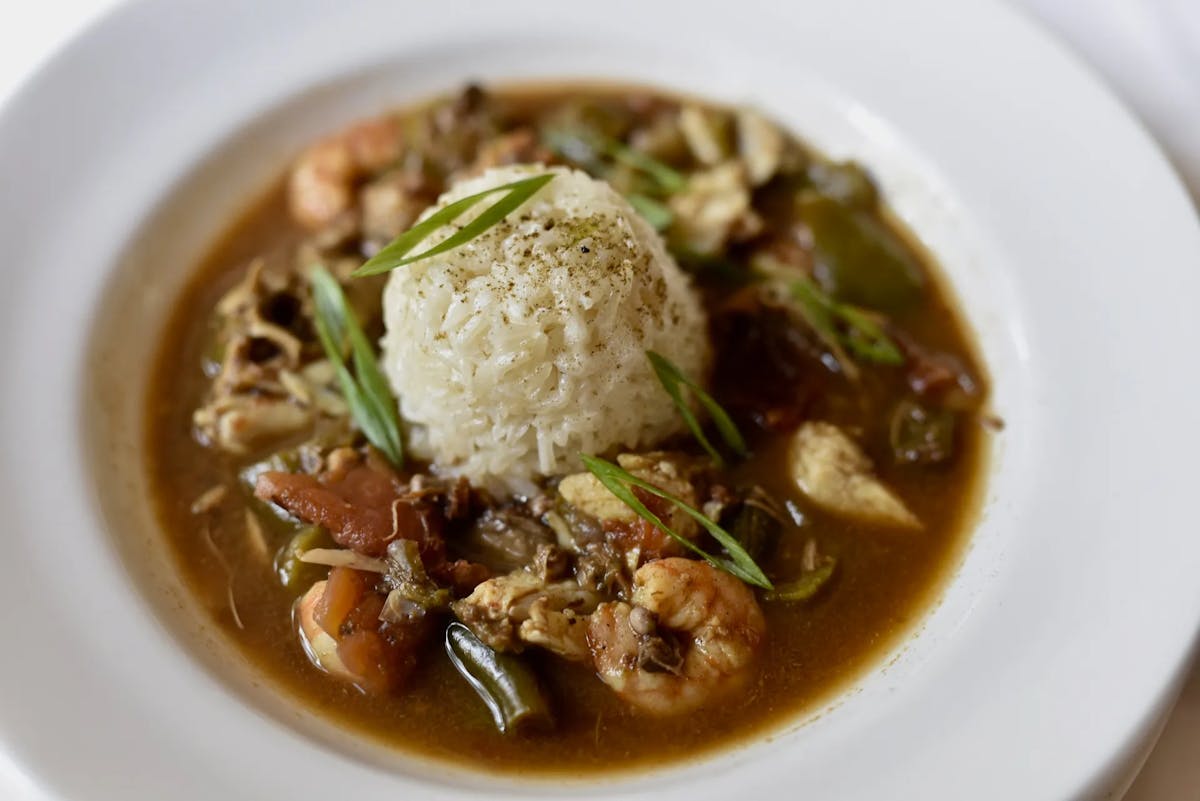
[(566, 430)]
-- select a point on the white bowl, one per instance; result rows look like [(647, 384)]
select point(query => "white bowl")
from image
[(1058, 644)]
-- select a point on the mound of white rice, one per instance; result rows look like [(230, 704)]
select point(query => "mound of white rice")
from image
[(517, 351)]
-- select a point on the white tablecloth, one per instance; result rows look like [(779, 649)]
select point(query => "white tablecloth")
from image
[(1148, 50)]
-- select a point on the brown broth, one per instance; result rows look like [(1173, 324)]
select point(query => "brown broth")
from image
[(885, 582)]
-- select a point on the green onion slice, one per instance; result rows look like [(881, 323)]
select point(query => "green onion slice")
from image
[(396, 253), (808, 585), (366, 391), (866, 339), (673, 381), (586, 148), (620, 481), (842, 326), (814, 307), (657, 214), (668, 179)]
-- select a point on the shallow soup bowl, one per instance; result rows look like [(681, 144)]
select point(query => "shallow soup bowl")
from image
[(1058, 642)]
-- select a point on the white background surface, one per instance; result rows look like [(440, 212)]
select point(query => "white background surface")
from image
[(1148, 50)]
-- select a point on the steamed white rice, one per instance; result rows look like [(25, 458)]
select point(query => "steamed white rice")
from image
[(512, 354)]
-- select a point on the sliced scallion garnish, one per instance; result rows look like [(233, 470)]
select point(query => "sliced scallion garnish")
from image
[(842, 326), (366, 391), (620, 482), (866, 339), (808, 585), (674, 382), (588, 149), (669, 179), (396, 253), (814, 307), (657, 214)]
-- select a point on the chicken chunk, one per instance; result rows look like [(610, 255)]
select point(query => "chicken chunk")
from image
[(242, 423), (585, 492), (390, 206), (715, 208), (665, 471), (622, 526), (266, 387), (519, 609), (706, 133), (834, 473), (760, 145)]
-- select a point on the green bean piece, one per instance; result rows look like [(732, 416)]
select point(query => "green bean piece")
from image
[(756, 528), (294, 574), (859, 260), (506, 684), (808, 585), (920, 435)]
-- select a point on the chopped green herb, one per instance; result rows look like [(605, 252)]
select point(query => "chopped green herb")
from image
[(673, 381), (366, 391), (657, 214), (841, 327), (588, 149), (396, 253), (668, 179), (620, 482), (814, 307), (866, 339), (808, 585)]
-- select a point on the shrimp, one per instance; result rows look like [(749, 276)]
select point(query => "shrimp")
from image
[(689, 635), (341, 627), (320, 647), (321, 185)]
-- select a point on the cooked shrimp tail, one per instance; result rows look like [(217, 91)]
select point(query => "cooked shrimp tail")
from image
[(690, 635)]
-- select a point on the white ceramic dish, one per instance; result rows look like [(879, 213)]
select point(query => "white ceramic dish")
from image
[(1057, 646)]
